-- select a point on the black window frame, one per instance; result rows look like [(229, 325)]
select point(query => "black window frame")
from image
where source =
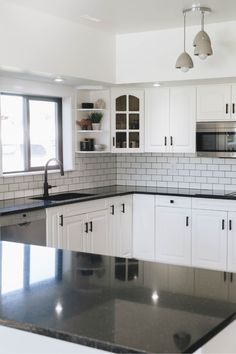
[(26, 127)]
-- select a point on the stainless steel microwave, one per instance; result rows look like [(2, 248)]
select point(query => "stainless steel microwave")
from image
[(216, 139)]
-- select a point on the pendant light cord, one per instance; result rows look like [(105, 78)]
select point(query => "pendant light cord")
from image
[(202, 21), (184, 32)]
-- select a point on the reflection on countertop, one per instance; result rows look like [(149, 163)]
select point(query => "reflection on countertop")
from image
[(111, 303)]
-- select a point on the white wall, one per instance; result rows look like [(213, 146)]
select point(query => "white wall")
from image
[(151, 56), (37, 42)]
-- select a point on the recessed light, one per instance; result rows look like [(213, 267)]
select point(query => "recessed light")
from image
[(156, 84), (91, 18), (59, 79)]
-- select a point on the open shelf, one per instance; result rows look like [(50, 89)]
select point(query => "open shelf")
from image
[(89, 109), (90, 131), (93, 152)]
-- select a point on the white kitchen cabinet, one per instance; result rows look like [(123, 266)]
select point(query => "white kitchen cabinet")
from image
[(127, 121), (170, 120), (120, 226), (173, 235), (157, 127), (231, 242), (214, 103), (97, 236), (144, 227), (209, 239), (73, 232), (182, 119)]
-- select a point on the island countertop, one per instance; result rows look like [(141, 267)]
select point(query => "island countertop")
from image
[(115, 304)]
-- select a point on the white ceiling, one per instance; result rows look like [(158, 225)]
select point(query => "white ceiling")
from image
[(125, 16)]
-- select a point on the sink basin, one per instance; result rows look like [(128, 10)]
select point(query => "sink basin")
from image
[(64, 196)]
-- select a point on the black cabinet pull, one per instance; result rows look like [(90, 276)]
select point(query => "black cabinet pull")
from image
[(113, 141), (112, 210), (233, 108), (172, 201), (61, 223), (123, 208), (225, 276), (91, 226), (230, 225), (86, 227), (227, 108), (223, 224), (165, 140), (171, 140), (187, 221), (231, 277)]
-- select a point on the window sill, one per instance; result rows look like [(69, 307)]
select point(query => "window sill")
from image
[(33, 173)]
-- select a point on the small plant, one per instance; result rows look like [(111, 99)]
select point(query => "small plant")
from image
[(95, 117)]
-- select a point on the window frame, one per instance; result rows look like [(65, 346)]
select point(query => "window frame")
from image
[(26, 128)]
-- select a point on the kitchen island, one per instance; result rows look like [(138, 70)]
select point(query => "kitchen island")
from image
[(114, 304)]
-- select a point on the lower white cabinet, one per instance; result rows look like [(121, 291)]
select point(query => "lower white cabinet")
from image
[(120, 226), (144, 227), (173, 235), (102, 226), (231, 242), (209, 239)]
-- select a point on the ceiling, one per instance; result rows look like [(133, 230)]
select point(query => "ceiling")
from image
[(126, 16)]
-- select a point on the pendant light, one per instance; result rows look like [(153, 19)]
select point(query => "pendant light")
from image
[(184, 61), (202, 42)]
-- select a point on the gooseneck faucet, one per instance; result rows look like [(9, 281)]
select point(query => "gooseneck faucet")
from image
[(47, 186)]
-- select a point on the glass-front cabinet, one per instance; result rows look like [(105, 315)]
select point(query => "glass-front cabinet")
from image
[(127, 120)]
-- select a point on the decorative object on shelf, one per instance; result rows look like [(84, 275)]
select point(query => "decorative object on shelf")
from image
[(202, 42), (100, 147), (87, 105), (96, 118), (87, 145), (84, 124), (100, 104)]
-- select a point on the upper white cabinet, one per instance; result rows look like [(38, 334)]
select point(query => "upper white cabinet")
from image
[(216, 102), (127, 121), (170, 119)]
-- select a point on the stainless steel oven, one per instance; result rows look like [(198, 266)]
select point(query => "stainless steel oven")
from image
[(216, 139)]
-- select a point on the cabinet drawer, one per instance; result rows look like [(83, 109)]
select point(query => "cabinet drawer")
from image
[(84, 207), (175, 202), (213, 204)]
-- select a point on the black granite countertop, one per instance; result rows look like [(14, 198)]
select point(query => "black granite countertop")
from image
[(114, 304), (11, 206)]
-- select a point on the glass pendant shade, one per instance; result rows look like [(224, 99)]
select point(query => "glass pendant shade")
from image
[(203, 49), (201, 36), (184, 62)]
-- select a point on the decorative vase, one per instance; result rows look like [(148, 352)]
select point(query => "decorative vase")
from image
[(96, 126)]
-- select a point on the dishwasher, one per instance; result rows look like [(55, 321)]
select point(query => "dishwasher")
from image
[(26, 227)]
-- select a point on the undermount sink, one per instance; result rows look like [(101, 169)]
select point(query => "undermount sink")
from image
[(64, 196)]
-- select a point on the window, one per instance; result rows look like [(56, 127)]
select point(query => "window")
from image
[(31, 129)]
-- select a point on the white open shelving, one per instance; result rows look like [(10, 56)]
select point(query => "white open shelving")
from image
[(100, 136)]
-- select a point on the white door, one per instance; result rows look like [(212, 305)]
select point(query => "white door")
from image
[(157, 135), (97, 240), (213, 102), (144, 226), (127, 109), (112, 227), (74, 232), (209, 239), (173, 235), (54, 227), (231, 242), (183, 119), (124, 226), (233, 103)]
